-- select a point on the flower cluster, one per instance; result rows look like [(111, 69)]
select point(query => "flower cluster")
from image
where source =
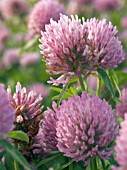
[(81, 128), (71, 48), (86, 126)]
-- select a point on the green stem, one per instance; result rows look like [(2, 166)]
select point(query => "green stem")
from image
[(81, 83), (103, 164), (93, 164), (16, 165)]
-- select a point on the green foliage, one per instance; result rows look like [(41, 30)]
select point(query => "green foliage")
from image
[(15, 154), (102, 73), (19, 135)]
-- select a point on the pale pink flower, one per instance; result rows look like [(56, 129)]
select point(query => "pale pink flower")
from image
[(28, 59), (10, 8), (10, 57), (102, 5), (39, 88), (41, 14)]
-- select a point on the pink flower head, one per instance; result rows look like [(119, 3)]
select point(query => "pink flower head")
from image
[(121, 108), (29, 59), (102, 5), (10, 57), (121, 146), (49, 129), (9, 8), (63, 46), (28, 109), (71, 48), (42, 13), (104, 48), (6, 114), (39, 88), (85, 127)]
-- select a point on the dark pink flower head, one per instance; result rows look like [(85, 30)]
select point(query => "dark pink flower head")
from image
[(102, 5), (49, 129), (121, 146), (121, 108), (85, 127), (10, 57), (63, 46), (29, 59), (28, 109), (104, 48), (6, 114), (42, 13), (10, 8), (71, 48), (39, 88)]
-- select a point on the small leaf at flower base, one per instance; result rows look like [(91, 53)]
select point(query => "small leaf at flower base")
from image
[(102, 73), (115, 82), (15, 154), (19, 135), (57, 89), (113, 161)]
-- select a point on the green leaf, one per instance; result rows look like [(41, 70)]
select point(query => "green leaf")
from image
[(113, 161), (56, 89), (2, 154), (66, 165), (72, 90), (9, 162), (114, 81), (102, 73), (73, 80), (19, 135), (62, 94), (15, 154), (42, 162), (2, 167)]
